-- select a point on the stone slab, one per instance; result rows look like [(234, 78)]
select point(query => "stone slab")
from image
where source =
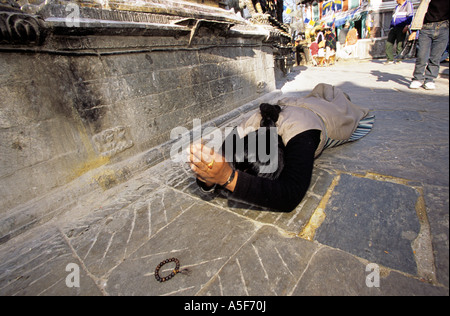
[(268, 264), (437, 202), (109, 235), (203, 239), (347, 275), (37, 267), (374, 220)]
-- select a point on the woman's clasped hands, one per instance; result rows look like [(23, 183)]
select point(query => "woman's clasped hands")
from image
[(209, 166)]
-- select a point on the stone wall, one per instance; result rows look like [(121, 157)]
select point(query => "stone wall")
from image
[(101, 93), (371, 48)]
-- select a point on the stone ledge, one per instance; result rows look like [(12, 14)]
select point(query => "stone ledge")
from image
[(151, 18), (57, 202)]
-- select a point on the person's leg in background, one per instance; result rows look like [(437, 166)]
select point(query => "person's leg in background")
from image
[(439, 41), (400, 36), (432, 42), (423, 54), (390, 46)]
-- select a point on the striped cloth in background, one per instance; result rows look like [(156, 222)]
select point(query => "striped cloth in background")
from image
[(364, 127)]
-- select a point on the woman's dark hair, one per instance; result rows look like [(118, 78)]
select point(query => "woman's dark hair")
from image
[(270, 114), (245, 161)]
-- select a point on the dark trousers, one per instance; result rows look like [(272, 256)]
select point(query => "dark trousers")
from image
[(395, 35)]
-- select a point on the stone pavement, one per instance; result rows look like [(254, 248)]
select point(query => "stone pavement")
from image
[(374, 222)]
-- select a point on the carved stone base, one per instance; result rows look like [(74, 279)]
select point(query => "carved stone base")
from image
[(19, 28)]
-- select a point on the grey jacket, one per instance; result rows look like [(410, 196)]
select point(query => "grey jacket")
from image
[(326, 109)]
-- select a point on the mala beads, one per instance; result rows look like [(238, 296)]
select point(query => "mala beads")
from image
[(171, 275)]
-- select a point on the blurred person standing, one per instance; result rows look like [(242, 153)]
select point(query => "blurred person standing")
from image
[(330, 46), (342, 37), (401, 19)]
